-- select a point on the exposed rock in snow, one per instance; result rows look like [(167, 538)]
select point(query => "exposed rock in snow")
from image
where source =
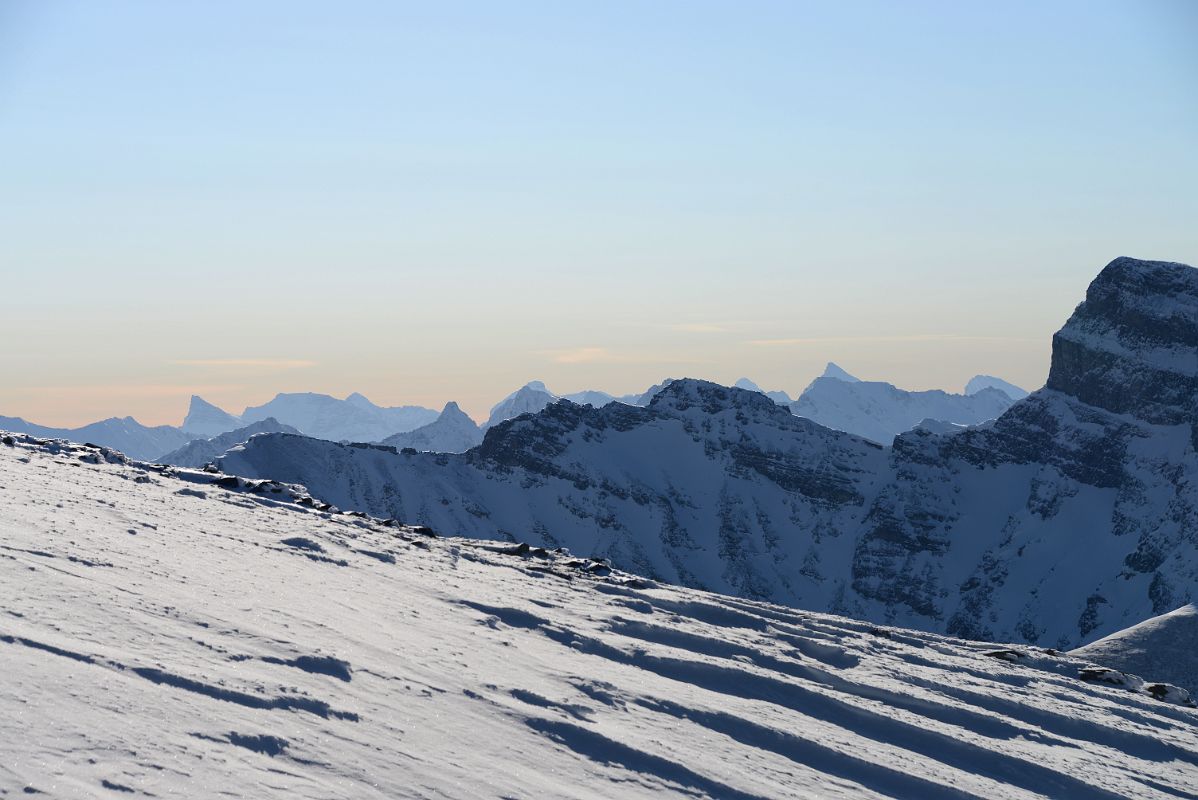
[(199, 452), (452, 432), (1163, 648), (205, 419), (181, 634), (979, 382), (1056, 524), (127, 435), (354, 419), (880, 411)]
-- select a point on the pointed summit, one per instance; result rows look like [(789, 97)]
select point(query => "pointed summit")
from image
[(452, 432), (833, 371), (205, 419), (453, 411)]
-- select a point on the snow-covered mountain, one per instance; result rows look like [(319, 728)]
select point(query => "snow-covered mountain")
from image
[(528, 399), (173, 633), (1165, 647), (1073, 515), (835, 371), (353, 419), (779, 397), (199, 452), (206, 420), (880, 411), (452, 432), (979, 382), (124, 434)]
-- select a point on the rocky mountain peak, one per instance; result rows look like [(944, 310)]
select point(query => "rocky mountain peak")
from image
[(1132, 346), (206, 419), (834, 371), (711, 398)]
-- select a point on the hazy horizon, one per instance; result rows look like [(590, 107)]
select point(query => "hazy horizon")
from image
[(426, 204)]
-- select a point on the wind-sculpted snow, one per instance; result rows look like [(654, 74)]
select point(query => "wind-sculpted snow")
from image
[(176, 633), (1058, 523)]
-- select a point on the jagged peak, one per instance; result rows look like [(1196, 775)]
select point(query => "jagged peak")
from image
[(832, 370), (452, 411)]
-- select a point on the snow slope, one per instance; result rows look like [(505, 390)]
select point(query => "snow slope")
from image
[(1062, 521), (181, 634), (1165, 647), (452, 432), (199, 452)]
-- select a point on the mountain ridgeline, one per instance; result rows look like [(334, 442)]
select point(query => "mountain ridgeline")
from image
[(1072, 515)]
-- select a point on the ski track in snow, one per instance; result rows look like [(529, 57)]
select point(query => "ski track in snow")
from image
[(160, 636)]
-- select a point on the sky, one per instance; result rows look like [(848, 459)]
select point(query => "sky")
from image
[(441, 201)]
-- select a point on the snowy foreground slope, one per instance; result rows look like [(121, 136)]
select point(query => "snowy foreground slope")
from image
[(187, 634)]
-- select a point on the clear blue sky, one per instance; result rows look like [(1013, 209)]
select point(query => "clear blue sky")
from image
[(441, 201)]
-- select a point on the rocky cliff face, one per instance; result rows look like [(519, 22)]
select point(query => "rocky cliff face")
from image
[(1132, 346), (1072, 515)]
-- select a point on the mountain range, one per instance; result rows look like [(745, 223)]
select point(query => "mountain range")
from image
[(127, 435), (880, 411), (1072, 515)]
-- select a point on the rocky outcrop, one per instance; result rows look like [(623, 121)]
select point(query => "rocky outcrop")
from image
[(1132, 346)]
